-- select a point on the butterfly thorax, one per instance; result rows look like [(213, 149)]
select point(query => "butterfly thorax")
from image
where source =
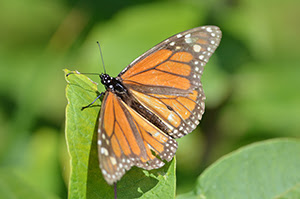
[(113, 84)]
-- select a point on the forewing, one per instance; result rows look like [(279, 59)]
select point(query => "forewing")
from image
[(126, 139), (166, 79), (175, 65)]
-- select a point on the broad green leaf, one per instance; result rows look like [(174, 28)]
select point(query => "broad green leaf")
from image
[(262, 170), (86, 180), (293, 193), (80, 126)]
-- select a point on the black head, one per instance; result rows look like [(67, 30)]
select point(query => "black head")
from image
[(105, 79)]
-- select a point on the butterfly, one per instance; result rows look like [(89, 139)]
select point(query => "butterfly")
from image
[(154, 100)]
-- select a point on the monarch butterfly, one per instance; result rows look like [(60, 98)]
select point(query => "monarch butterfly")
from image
[(154, 100)]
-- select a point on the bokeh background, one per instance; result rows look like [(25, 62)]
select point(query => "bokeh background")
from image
[(252, 82)]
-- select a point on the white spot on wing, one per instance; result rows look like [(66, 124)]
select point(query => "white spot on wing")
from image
[(104, 151), (197, 48), (188, 40), (113, 160)]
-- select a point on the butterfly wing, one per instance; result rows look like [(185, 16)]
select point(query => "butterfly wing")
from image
[(126, 139), (166, 79), (181, 114)]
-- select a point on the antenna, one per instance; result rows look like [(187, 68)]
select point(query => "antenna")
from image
[(101, 56)]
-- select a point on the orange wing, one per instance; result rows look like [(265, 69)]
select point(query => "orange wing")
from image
[(126, 139), (180, 113), (166, 79)]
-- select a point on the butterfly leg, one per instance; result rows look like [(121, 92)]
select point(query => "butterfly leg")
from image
[(84, 107)]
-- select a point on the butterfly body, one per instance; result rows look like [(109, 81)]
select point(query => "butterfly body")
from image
[(154, 100), (112, 84)]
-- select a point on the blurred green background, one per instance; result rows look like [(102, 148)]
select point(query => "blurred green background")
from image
[(252, 82)]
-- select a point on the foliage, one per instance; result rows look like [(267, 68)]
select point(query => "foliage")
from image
[(268, 169), (251, 82)]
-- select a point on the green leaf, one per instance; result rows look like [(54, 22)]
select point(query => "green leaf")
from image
[(261, 170), (86, 180), (293, 193), (80, 126)]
